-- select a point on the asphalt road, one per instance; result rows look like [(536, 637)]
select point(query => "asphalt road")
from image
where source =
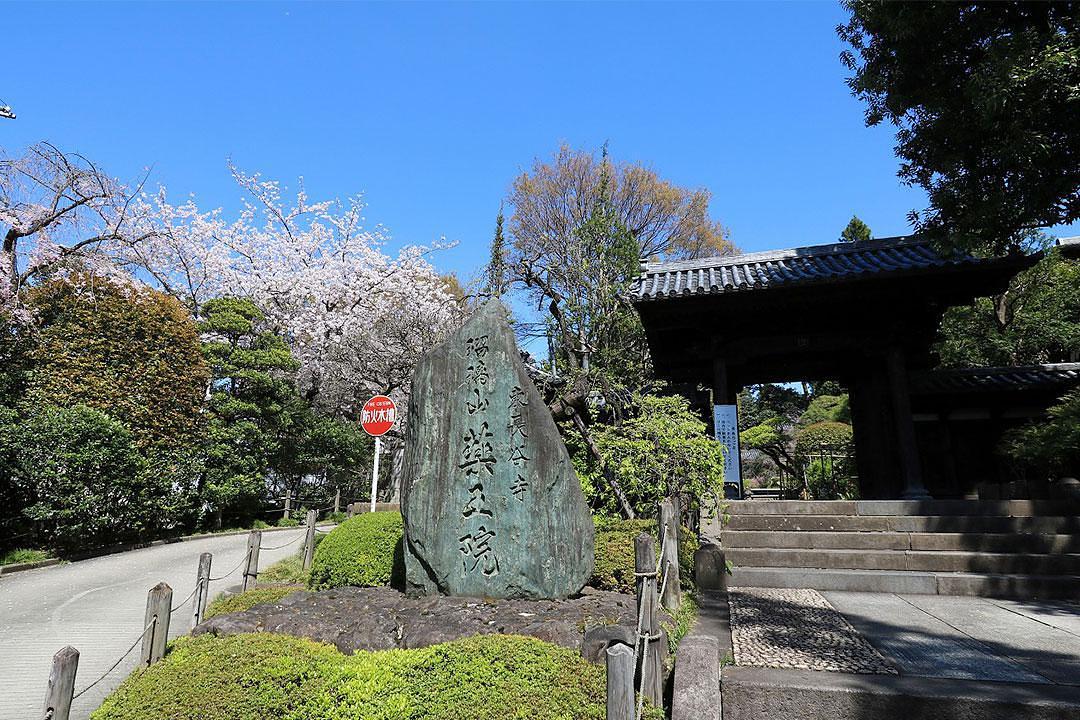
[(97, 606)]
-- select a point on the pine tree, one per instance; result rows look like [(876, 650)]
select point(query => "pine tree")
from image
[(856, 231)]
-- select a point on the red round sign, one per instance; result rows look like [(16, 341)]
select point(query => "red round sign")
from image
[(378, 416)]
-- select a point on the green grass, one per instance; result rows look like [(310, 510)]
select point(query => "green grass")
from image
[(682, 621), (243, 601), (23, 555), (261, 676)]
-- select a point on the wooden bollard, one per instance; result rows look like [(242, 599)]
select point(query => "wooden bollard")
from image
[(652, 663), (309, 541), (337, 500), (620, 682), (158, 610), (202, 589), (251, 568), (61, 687), (668, 524)]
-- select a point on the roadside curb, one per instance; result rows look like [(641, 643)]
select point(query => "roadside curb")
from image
[(114, 549)]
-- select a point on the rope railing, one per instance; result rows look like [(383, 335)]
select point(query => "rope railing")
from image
[(182, 603), (239, 565), (285, 545), (151, 624)]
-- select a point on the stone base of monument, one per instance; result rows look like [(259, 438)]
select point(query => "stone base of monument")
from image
[(383, 618)]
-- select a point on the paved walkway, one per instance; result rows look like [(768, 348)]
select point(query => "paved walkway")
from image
[(97, 606), (927, 636)]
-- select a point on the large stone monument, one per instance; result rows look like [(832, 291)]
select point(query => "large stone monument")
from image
[(491, 503)]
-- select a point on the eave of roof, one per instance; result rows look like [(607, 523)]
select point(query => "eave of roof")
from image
[(997, 378), (796, 266)]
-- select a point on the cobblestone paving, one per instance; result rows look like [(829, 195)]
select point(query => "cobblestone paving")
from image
[(797, 629)]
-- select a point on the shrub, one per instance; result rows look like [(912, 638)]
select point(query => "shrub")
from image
[(253, 677), (263, 594), (92, 486), (662, 449), (289, 570), (288, 522), (365, 550), (827, 408), (614, 565), (834, 437)]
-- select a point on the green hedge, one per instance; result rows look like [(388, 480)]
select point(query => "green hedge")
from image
[(614, 567), (259, 676), (245, 600), (365, 550)]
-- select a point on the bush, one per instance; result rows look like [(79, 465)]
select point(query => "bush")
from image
[(827, 408), (253, 677), (289, 570), (91, 485), (263, 594), (365, 551), (288, 522), (614, 565), (832, 437)]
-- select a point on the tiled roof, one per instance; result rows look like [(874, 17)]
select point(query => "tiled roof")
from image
[(1000, 378), (758, 271)]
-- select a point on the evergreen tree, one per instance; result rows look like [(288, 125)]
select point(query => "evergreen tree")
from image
[(497, 270), (856, 231)]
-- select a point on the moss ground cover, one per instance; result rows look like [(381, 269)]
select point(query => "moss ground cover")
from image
[(245, 600), (252, 677)]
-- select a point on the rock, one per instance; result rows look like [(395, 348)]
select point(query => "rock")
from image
[(599, 638), (382, 618), (491, 504)]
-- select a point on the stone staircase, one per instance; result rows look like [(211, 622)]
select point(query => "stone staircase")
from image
[(1018, 549)]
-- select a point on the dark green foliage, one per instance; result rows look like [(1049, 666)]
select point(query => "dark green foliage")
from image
[(614, 566), (364, 551), (985, 98), (855, 231), (1036, 321), (260, 595), (90, 484), (262, 435), (824, 451), (1050, 447), (260, 676)]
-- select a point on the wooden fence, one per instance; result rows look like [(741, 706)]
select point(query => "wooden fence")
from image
[(60, 692)]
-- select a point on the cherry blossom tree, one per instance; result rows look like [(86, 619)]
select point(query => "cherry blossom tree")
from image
[(57, 210), (357, 318)]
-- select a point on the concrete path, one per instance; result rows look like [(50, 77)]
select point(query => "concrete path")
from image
[(97, 606), (969, 638)]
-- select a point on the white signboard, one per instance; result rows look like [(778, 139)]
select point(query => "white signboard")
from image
[(726, 424)]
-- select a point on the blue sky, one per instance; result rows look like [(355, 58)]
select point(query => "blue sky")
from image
[(432, 109)]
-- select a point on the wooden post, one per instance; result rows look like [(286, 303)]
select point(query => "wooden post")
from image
[(288, 504), (309, 540), (337, 500), (158, 609), (652, 663), (905, 426), (61, 687), (620, 682), (668, 529), (251, 569), (202, 589)]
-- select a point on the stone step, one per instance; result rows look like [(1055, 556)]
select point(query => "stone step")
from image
[(750, 693), (1020, 587), (914, 560), (1054, 525), (986, 508), (984, 542)]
